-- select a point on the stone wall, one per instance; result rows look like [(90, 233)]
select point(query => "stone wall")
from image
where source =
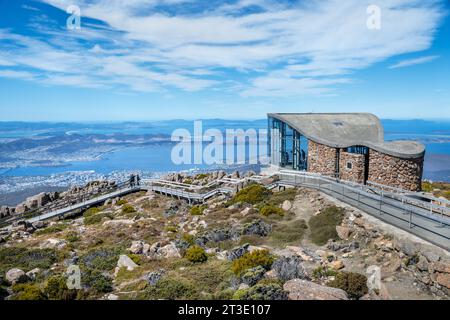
[(356, 173), (321, 159), (395, 172)]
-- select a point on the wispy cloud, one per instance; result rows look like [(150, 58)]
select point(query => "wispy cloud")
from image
[(27, 7), (253, 47), (413, 62)]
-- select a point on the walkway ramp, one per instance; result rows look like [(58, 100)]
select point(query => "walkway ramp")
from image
[(193, 194), (85, 204), (425, 220)]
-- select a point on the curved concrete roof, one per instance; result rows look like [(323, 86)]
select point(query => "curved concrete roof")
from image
[(342, 130)]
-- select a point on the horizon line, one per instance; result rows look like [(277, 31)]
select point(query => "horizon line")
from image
[(195, 119)]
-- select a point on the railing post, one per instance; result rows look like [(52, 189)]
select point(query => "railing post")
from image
[(410, 219), (381, 201)]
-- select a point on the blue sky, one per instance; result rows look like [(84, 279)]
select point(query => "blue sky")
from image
[(235, 59)]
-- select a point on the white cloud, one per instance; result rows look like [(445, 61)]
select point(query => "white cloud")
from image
[(16, 74), (278, 50), (27, 7), (413, 62)]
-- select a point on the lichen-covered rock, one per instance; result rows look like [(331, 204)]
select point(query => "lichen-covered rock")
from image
[(431, 256), (5, 211), (407, 247), (236, 253), (337, 265), (137, 247), (306, 290), (441, 267), (218, 235), (287, 205), (182, 244), (118, 223), (53, 244), (16, 275), (39, 225), (257, 227), (443, 279), (169, 251), (422, 264), (153, 277), (172, 210), (32, 274), (288, 268), (343, 232), (125, 262), (304, 253)]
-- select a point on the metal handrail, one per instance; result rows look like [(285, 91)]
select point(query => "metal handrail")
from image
[(59, 205), (360, 188), (403, 215)]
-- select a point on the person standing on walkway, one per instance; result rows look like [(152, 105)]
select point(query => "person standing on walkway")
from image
[(138, 180)]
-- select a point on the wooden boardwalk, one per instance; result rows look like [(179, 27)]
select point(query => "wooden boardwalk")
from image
[(428, 220)]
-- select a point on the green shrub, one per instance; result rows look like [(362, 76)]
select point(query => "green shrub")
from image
[(91, 211), (252, 194), (323, 225), (52, 229), (172, 229), (56, 289), (101, 259), (121, 202), (26, 259), (354, 284), (172, 289), (252, 259), (267, 281), (72, 237), (213, 276), (288, 233), (439, 189), (128, 209), (427, 186), (323, 272), (196, 254), (136, 258), (189, 238), (197, 210), (271, 291), (446, 194), (268, 210), (96, 281), (27, 291), (201, 176), (278, 198), (97, 218), (226, 294)]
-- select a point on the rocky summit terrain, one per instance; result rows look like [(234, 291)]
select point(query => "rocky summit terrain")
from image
[(296, 244)]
